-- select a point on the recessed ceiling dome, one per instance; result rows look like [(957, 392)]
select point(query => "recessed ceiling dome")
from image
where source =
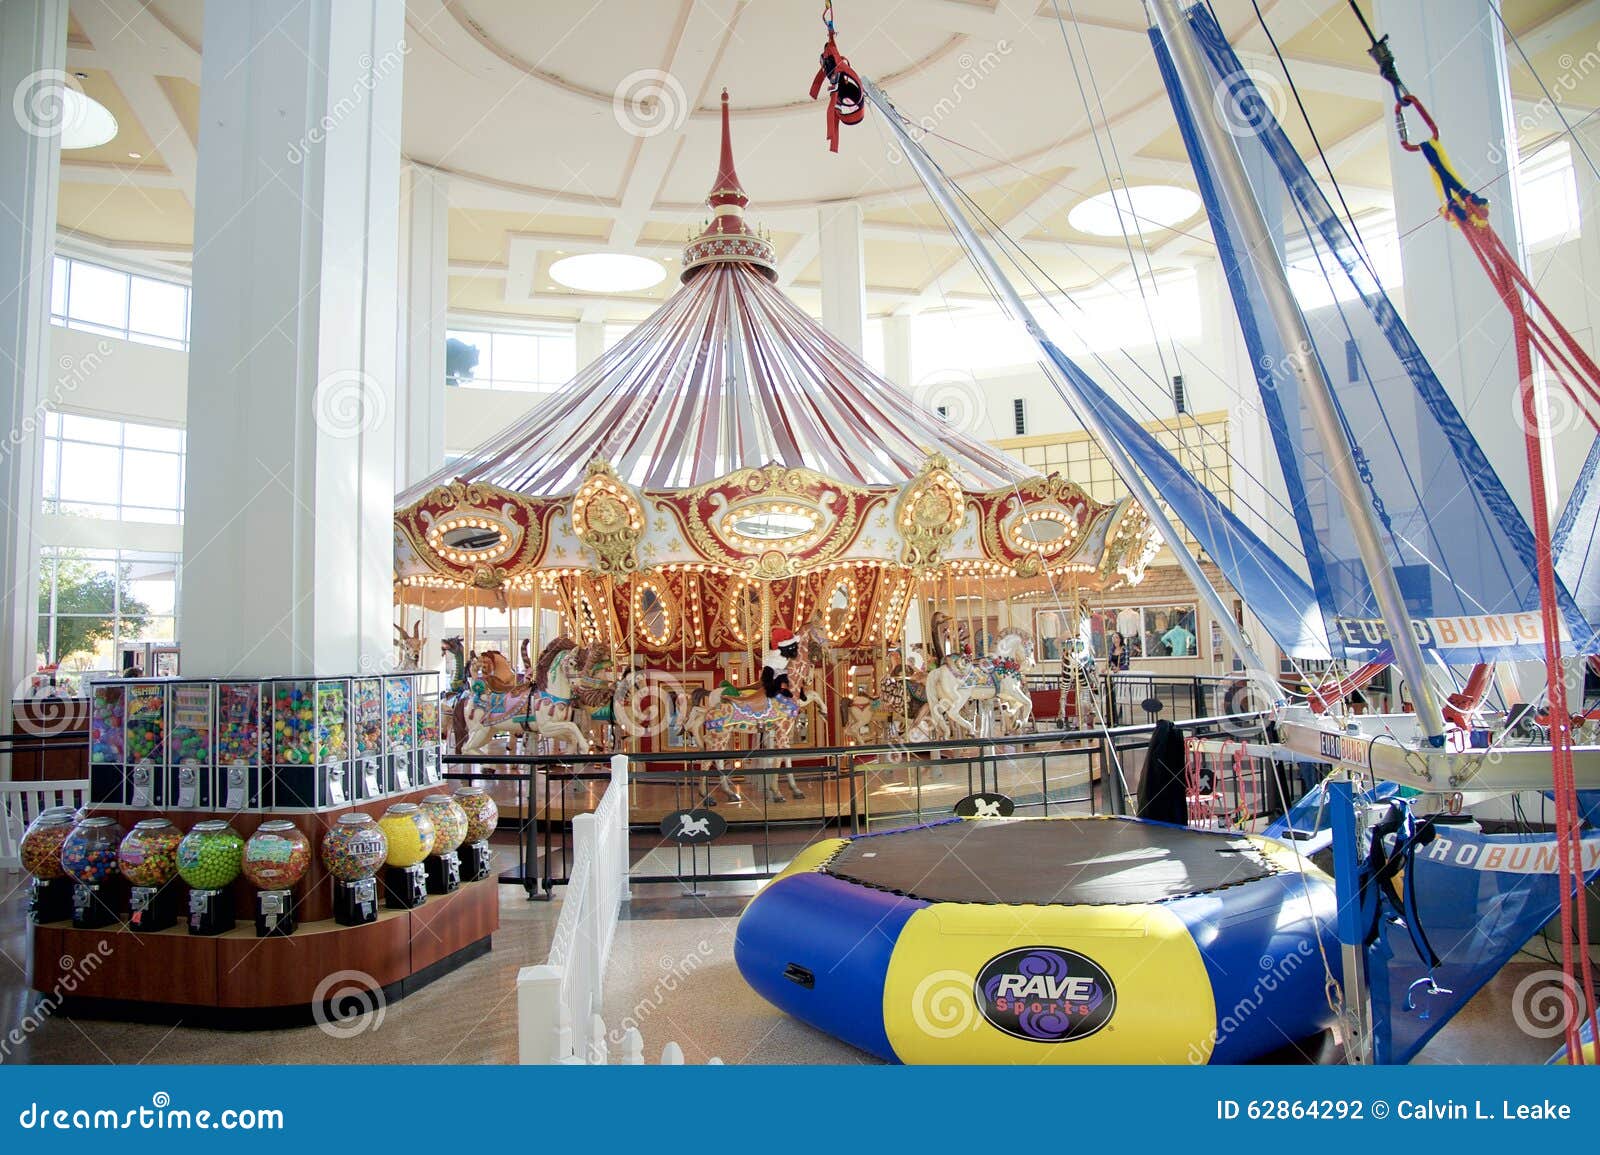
[(1128, 210)]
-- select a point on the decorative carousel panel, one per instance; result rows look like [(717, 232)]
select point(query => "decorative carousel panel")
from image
[(1131, 543), (477, 535), (1032, 525), (609, 518), (928, 514), (771, 522)]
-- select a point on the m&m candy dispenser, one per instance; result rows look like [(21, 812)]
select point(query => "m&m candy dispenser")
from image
[(353, 852), (89, 858)]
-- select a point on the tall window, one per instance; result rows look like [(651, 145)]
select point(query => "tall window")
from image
[(1547, 197), (93, 602), (115, 470), (528, 362), (127, 305)]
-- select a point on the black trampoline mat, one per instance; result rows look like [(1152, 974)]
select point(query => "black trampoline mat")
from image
[(1067, 861)]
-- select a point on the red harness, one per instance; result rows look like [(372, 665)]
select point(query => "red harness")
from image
[(846, 102)]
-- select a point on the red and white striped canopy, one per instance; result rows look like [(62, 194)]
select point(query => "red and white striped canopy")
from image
[(728, 374)]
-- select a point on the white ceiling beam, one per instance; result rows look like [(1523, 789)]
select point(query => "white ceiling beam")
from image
[(86, 172)]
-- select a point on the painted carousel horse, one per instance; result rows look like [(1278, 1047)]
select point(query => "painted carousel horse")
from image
[(715, 716), (957, 681), (500, 704), (458, 692)]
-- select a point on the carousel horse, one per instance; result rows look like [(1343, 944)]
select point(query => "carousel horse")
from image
[(500, 704), (714, 718), (456, 695), (958, 680)]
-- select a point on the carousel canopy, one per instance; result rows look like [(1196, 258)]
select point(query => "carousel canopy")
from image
[(731, 437), (729, 374)]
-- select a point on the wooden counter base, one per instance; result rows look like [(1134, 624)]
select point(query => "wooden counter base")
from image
[(237, 981)]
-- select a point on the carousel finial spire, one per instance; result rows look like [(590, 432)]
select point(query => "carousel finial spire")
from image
[(727, 237)]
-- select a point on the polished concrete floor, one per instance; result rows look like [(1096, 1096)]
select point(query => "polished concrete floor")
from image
[(672, 976)]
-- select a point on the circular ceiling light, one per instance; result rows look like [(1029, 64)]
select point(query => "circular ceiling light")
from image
[(1143, 207), (607, 272), (85, 122)]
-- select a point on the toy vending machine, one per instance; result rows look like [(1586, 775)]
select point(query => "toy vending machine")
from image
[(429, 770), (241, 768), (310, 751), (190, 779), (399, 728), (107, 717), (144, 743), (368, 780)]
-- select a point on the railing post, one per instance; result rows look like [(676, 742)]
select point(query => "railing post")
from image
[(619, 783), (539, 1026)]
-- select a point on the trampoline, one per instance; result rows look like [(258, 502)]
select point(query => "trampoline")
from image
[(1055, 940)]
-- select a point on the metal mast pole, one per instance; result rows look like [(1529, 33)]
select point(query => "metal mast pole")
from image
[(1113, 449), (1257, 238)]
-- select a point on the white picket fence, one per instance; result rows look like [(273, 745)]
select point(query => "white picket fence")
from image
[(558, 1001), (20, 804)]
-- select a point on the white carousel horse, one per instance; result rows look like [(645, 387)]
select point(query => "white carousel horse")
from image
[(957, 681), (498, 704), (713, 720)]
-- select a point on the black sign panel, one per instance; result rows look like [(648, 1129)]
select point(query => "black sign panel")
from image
[(1045, 994), (985, 806), (693, 826)]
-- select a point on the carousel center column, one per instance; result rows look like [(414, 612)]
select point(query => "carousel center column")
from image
[(289, 498)]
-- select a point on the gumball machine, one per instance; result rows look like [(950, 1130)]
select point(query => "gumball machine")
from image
[(482, 817), (352, 853), (148, 859), (410, 833), (275, 860), (209, 859), (443, 866), (89, 856), (50, 892)]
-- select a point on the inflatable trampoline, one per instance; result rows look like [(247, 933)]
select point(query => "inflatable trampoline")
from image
[(1047, 940)]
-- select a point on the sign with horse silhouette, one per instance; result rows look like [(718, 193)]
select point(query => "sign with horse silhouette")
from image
[(983, 805), (692, 827)]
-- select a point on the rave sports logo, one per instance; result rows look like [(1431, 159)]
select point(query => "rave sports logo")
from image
[(1044, 994)]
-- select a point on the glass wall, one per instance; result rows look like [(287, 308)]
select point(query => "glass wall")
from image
[(93, 602), (114, 470), (99, 299), (522, 361)]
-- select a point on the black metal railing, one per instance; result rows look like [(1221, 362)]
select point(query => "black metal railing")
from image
[(846, 790)]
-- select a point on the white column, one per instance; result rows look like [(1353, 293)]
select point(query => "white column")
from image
[(33, 54), (1454, 61), (425, 288), (897, 349), (288, 539), (844, 278), (591, 343)]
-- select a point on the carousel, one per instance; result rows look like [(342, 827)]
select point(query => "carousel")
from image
[(730, 533)]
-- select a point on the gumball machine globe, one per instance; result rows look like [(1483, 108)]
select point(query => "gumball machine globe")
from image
[(89, 852), (449, 822), (148, 856), (41, 843), (277, 856), (355, 848), (410, 833), (210, 855), (483, 815)]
